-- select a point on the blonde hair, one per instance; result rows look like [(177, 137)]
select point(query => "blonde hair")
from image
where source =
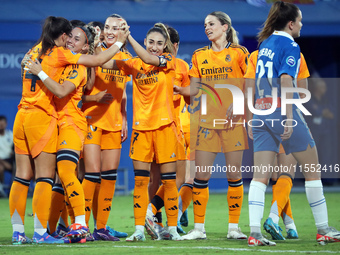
[(161, 28), (225, 19)]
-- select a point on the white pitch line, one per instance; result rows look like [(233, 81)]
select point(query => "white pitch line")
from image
[(172, 247)]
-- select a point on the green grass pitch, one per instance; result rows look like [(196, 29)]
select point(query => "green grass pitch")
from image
[(121, 218)]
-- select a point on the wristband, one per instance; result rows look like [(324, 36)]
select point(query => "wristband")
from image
[(119, 44), (42, 75)]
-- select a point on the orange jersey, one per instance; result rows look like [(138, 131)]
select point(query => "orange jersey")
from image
[(251, 70), (34, 91), (224, 67), (69, 108), (108, 116), (182, 80), (184, 116), (153, 105)]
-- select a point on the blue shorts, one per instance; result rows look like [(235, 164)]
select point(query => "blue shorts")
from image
[(267, 133)]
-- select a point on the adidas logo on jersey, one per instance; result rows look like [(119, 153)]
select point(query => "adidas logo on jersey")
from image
[(238, 144), (173, 155), (205, 62), (63, 143), (141, 68)]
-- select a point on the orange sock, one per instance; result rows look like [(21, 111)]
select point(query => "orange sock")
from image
[(141, 196), (17, 202), (200, 197), (64, 216), (57, 206), (95, 204), (89, 186), (69, 209), (105, 196), (170, 197), (280, 196), (157, 202), (185, 193), (235, 200), (67, 162), (288, 210), (41, 202)]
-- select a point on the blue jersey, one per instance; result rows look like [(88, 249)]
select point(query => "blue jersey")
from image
[(279, 54)]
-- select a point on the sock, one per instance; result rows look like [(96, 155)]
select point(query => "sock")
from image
[(69, 209), (95, 205), (170, 197), (141, 196), (235, 200), (106, 193), (57, 205), (287, 216), (157, 202), (63, 220), (17, 203), (185, 197), (80, 219), (41, 203), (89, 186), (280, 196), (200, 197), (256, 205), (317, 202), (159, 218), (67, 162)]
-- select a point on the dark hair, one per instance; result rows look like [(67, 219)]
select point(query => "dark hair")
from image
[(52, 29), (77, 23), (96, 24), (3, 117), (115, 15), (225, 19), (174, 36), (279, 15), (160, 28)]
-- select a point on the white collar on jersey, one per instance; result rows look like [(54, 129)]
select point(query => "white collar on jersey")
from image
[(285, 34)]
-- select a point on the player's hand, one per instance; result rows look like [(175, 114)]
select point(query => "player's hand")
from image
[(288, 130), (123, 32), (97, 37), (26, 58), (124, 132), (177, 90), (33, 66), (103, 97)]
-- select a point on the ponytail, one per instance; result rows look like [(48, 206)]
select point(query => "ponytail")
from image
[(161, 28), (52, 29), (225, 19), (279, 15)]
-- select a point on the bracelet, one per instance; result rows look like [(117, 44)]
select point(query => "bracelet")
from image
[(119, 44), (42, 75)]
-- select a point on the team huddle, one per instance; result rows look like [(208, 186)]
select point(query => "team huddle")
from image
[(72, 120)]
